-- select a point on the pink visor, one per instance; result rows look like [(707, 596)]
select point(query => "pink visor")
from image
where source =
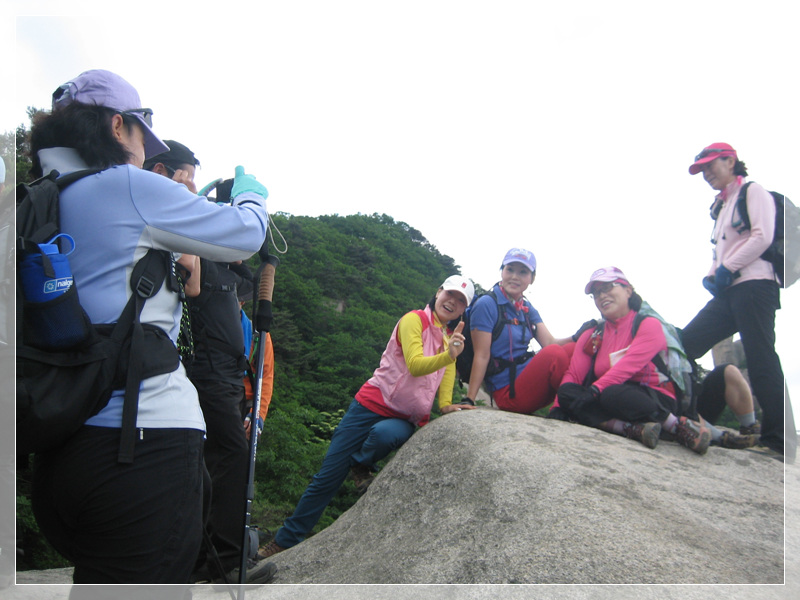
[(708, 154)]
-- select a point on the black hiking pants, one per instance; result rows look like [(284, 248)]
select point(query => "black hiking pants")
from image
[(227, 460), (123, 523), (749, 309), (629, 402)]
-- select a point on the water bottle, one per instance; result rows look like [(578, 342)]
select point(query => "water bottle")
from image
[(41, 284), (53, 318)]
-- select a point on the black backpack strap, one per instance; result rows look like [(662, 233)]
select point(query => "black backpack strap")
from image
[(502, 364), (146, 279), (598, 331), (741, 208), (39, 220)]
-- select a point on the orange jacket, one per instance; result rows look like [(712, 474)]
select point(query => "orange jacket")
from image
[(267, 379)]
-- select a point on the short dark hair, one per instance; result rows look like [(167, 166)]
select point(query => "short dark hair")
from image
[(84, 127), (177, 156), (739, 168)]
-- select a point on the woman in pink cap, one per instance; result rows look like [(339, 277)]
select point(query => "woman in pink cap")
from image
[(502, 325), (612, 382), (743, 285)]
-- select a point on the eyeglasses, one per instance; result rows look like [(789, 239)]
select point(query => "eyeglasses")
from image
[(146, 114), (604, 288), (708, 151)]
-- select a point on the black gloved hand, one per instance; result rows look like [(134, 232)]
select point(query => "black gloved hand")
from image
[(587, 325), (723, 278), (710, 285), (558, 412), (574, 398), (263, 317)]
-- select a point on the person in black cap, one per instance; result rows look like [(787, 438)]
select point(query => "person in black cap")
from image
[(217, 371), (179, 164)]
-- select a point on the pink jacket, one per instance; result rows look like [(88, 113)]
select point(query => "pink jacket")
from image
[(392, 390), (741, 251), (634, 364)]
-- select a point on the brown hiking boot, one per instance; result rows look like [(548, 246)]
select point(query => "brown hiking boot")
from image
[(735, 441), (754, 429), (362, 477), (268, 550), (695, 436), (647, 433)]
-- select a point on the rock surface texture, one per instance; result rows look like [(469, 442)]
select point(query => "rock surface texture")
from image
[(486, 497), (491, 497)]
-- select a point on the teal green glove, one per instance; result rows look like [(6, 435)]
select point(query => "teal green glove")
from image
[(247, 183), (209, 186)]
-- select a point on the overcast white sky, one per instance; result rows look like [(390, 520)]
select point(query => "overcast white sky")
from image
[(563, 127)]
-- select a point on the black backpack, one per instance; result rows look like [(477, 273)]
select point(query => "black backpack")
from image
[(785, 211), (496, 365), (64, 380)]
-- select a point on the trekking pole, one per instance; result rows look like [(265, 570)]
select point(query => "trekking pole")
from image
[(263, 318)]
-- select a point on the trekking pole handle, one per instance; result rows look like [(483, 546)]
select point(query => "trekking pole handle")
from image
[(266, 283)]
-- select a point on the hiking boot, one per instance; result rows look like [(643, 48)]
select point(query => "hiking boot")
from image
[(268, 550), (647, 433), (362, 477), (754, 429), (735, 441), (257, 572), (695, 436)]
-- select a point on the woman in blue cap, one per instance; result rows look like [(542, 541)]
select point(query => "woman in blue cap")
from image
[(502, 325), (138, 521)]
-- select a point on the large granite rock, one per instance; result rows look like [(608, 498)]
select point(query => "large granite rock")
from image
[(491, 497), (487, 497)]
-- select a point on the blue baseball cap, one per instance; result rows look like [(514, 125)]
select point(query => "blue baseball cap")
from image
[(104, 88), (520, 255)]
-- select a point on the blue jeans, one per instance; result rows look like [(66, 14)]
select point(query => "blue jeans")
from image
[(362, 437)]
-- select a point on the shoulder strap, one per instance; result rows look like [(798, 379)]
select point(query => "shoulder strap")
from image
[(146, 280), (38, 219), (590, 378), (657, 360), (502, 317), (741, 207), (503, 320)]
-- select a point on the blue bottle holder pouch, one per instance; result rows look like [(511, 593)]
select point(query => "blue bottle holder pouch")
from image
[(54, 318)]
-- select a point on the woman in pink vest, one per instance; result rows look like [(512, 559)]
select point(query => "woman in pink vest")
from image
[(418, 362)]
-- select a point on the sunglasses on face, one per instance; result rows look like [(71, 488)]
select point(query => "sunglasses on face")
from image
[(604, 288), (146, 114)]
